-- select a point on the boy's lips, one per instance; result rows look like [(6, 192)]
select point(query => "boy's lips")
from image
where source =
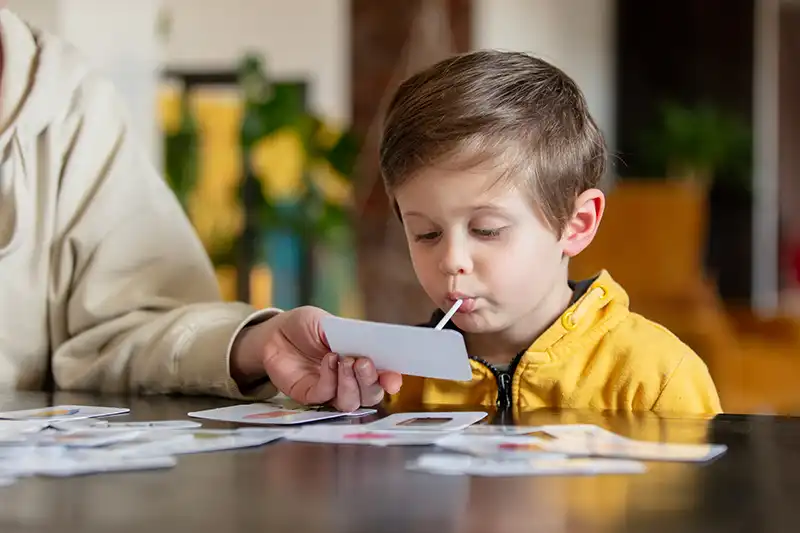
[(467, 302)]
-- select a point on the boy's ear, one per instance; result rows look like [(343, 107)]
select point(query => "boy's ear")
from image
[(582, 227)]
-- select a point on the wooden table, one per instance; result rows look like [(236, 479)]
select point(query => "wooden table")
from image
[(299, 488)]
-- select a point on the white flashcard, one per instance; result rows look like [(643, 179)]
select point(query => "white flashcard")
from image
[(90, 438), (411, 350), (21, 426), (180, 442), (593, 441), (586, 432), (269, 414), (93, 463), (105, 425), (450, 464), (360, 434), (637, 450), (429, 421), (60, 413), (495, 430), (154, 424), (497, 446)]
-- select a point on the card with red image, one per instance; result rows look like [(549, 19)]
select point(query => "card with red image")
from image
[(363, 434), (274, 413)]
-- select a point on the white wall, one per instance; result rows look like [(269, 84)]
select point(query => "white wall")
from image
[(299, 38), (123, 46), (41, 13), (577, 36)]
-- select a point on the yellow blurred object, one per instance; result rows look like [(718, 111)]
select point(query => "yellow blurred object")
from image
[(169, 109), (278, 163), (651, 238), (214, 208), (226, 278), (333, 186), (260, 285), (327, 135)]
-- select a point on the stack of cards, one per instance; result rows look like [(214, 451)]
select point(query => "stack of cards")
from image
[(552, 450), (405, 429), (69, 440)]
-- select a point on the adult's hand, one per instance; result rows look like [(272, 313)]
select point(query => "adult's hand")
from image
[(290, 348)]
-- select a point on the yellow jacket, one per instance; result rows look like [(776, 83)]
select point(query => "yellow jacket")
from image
[(599, 355)]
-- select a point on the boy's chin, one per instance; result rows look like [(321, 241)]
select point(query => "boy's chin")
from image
[(472, 323)]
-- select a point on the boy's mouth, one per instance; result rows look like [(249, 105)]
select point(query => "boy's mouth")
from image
[(467, 302)]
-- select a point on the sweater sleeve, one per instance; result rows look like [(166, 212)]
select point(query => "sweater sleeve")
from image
[(134, 302)]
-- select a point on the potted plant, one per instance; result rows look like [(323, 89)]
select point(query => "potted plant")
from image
[(311, 219), (700, 144), (313, 224)]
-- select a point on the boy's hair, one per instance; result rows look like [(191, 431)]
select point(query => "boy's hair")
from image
[(506, 107)]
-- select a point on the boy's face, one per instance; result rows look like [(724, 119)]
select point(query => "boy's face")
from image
[(485, 244)]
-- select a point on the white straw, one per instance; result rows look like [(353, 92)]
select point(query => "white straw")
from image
[(449, 314)]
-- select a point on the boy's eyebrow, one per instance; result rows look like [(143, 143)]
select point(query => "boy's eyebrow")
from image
[(493, 208), (488, 207)]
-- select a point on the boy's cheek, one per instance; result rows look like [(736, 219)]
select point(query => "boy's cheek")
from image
[(426, 274), (421, 266), (507, 282)]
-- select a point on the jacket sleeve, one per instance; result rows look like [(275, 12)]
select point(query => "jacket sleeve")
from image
[(134, 300), (689, 390)]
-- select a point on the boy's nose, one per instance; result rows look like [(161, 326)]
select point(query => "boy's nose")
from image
[(456, 260)]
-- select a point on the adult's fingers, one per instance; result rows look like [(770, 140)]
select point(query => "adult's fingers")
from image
[(324, 389), (370, 390), (347, 390), (390, 381)]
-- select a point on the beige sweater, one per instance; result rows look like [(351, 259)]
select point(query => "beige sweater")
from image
[(103, 283)]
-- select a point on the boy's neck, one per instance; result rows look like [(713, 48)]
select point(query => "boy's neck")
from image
[(502, 346)]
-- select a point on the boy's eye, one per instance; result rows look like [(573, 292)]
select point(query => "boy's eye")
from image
[(487, 232), (430, 236)]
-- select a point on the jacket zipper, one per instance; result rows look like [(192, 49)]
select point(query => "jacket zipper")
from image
[(504, 379)]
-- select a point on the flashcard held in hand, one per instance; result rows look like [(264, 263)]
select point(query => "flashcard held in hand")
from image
[(411, 350)]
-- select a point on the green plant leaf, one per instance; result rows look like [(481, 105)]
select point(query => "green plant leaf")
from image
[(182, 155), (343, 155), (253, 79), (273, 107), (306, 126), (334, 225), (704, 139), (251, 129)]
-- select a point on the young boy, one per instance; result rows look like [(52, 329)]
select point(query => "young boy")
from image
[(492, 161)]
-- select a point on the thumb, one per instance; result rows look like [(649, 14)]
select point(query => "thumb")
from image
[(306, 322)]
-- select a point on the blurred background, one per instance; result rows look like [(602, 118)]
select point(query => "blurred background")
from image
[(264, 117)]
